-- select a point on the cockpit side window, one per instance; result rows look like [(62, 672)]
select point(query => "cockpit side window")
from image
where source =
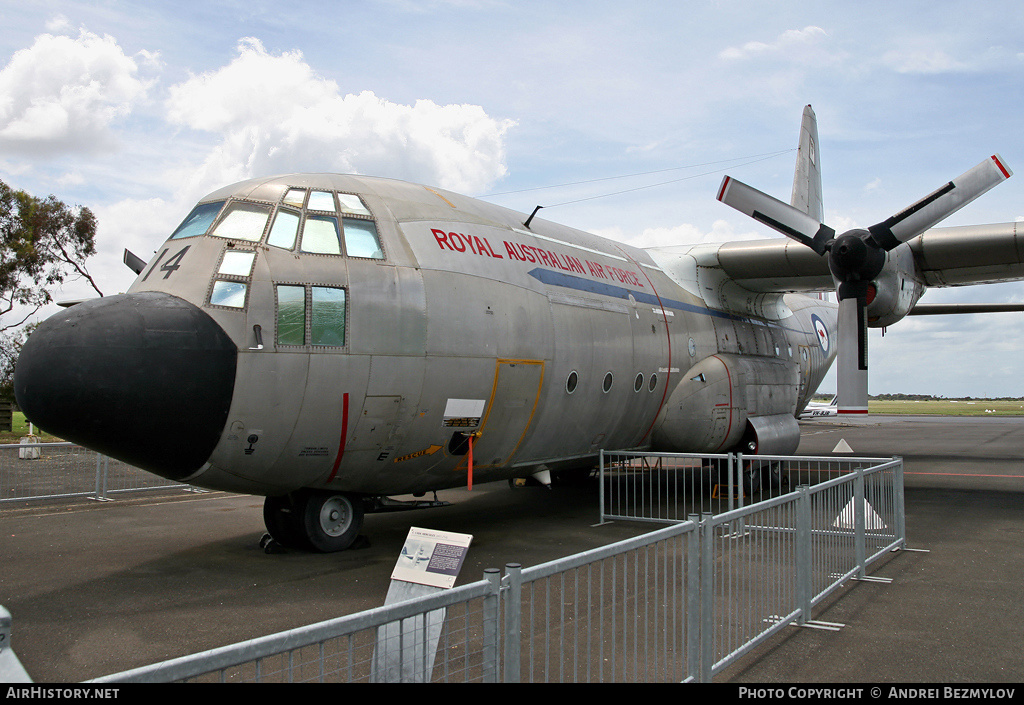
[(291, 314), (228, 293), (198, 221), (325, 324), (327, 316), (361, 239)]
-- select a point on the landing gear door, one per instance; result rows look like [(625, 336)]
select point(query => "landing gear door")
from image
[(510, 410)]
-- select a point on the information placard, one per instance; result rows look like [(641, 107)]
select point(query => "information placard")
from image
[(432, 557)]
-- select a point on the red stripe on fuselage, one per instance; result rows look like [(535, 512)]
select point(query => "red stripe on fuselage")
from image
[(344, 435)]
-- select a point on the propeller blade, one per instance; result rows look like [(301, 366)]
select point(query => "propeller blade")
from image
[(940, 204), (852, 356), (776, 214)]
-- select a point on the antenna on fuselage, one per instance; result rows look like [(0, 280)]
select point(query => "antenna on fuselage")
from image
[(530, 219)]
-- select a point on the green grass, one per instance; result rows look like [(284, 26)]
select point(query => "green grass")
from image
[(20, 426), (948, 407)]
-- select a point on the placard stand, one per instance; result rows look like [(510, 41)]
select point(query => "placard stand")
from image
[(429, 563)]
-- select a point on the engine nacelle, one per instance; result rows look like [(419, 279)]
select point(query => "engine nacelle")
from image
[(896, 290), (728, 402)]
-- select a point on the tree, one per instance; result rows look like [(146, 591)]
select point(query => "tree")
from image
[(43, 243)]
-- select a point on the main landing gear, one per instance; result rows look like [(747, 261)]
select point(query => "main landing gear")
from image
[(312, 520)]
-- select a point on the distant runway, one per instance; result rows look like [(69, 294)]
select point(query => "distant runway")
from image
[(98, 588)]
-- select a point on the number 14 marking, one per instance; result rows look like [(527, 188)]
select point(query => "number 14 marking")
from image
[(170, 266)]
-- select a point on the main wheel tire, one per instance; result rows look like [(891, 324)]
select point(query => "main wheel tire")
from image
[(332, 521), (284, 520)]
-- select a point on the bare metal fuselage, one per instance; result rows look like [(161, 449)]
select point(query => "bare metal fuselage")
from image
[(548, 342)]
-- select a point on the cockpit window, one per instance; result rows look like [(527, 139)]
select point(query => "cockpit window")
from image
[(284, 229), (320, 235), (198, 221), (243, 221), (295, 197), (352, 204), (361, 239), (321, 201)]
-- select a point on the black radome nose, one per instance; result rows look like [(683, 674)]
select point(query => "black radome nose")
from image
[(146, 378)]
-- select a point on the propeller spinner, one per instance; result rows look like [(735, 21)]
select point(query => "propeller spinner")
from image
[(856, 257)]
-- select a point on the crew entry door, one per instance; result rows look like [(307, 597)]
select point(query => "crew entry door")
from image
[(510, 410)]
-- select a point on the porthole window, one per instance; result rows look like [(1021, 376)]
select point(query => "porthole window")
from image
[(571, 381), (653, 383), (607, 386), (638, 383)]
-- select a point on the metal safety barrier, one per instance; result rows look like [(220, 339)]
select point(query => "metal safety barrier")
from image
[(680, 603), (39, 471)]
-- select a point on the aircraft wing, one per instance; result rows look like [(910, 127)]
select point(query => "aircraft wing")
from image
[(972, 254), (943, 257), (763, 266)]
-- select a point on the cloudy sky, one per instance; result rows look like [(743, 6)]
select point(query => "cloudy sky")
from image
[(136, 110)]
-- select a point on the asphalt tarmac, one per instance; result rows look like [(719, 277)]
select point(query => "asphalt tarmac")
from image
[(96, 588)]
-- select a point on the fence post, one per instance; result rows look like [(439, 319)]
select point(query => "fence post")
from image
[(491, 625), (513, 621), (101, 479), (900, 508), (859, 509), (707, 598), (693, 601), (803, 553)]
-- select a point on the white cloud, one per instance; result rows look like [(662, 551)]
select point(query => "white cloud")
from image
[(788, 41), (685, 234), (921, 61), (63, 94), (275, 114)]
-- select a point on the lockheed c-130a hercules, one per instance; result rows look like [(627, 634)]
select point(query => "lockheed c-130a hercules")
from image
[(328, 341)]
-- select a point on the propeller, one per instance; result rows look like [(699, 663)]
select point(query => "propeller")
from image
[(857, 256)]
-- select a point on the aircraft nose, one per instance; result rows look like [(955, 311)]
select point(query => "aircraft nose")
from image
[(146, 378)]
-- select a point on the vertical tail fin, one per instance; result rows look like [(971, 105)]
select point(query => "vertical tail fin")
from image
[(807, 179)]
